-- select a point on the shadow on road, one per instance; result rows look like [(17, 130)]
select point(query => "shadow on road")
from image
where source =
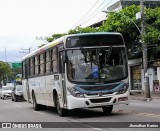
[(81, 113)]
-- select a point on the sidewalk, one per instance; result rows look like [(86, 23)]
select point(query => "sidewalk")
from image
[(139, 96)]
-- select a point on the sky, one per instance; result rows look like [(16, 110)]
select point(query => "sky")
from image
[(25, 23)]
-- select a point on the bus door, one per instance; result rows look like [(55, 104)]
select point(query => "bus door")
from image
[(62, 75)]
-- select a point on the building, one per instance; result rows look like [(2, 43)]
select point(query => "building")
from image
[(124, 3)]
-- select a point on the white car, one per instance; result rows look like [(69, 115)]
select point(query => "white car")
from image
[(6, 91)]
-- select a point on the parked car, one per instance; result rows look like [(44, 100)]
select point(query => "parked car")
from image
[(6, 91), (17, 93)]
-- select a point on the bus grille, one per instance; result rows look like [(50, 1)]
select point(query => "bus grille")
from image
[(99, 87), (101, 100), (97, 93)]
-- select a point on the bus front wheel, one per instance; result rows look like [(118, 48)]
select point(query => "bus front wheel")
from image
[(107, 109), (61, 111)]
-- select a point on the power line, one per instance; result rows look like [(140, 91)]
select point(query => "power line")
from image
[(86, 13), (91, 17), (38, 41), (94, 12), (34, 42)]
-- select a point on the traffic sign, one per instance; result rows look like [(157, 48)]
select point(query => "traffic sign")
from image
[(16, 65)]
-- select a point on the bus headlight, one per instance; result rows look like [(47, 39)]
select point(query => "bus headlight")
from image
[(122, 90), (74, 92)]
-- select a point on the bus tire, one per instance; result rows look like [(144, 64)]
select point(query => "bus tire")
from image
[(61, 112), (107, 109), (15, 99), (35, 105)]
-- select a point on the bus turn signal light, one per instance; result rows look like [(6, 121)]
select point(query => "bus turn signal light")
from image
[(123, 99)]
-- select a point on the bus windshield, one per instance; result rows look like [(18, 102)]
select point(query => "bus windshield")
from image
[(96, 64)]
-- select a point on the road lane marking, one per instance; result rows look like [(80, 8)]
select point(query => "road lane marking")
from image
[(85, 125), (39, 112), (138, 113), (149, 115), (4, 102), (17, 106), (88, 126), (97, 129)]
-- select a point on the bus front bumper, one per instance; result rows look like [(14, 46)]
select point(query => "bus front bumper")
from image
[(99, 101)]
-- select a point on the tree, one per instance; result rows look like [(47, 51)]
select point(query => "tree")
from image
[(152, 36), (73, 31), (82, 30), (41, 45), (55, 36), (5, 71), (123, 22)]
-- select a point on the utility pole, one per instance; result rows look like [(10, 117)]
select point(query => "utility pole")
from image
[(145, 52)]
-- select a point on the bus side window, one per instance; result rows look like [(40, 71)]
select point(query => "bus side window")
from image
[(26, 68), (47, 62), (41, 63), (36, 65), (54, 63)]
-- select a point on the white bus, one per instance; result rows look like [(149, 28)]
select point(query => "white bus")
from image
[(87, 70)]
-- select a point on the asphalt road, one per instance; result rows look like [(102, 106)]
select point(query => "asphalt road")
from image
[(90, 119)]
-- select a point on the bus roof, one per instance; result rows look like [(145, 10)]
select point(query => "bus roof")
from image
[(43, 48), (61, 39)]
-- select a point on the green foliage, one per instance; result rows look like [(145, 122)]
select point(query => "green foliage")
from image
[(41, 45), (153, 26), (82, 30), (123, 22), (5, 70), (55, 36)]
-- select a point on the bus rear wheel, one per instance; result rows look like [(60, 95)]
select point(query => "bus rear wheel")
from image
[(35, 105), (15, 99), (61, 111), (107, 109)]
